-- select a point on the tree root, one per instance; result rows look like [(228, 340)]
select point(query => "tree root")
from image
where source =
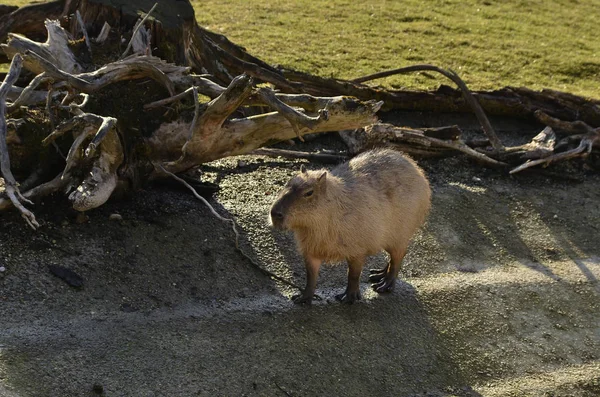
[(97, 187), (11, 188)]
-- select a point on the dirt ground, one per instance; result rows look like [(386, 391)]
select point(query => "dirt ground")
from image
[(499, 294)]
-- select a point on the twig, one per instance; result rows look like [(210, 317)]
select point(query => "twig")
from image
[(170, 99), (44, 189), (469, 98), (293, 154), (137, 27), (233, 227), (585, 148), (106, 125), (380, 131), (85, 34), (212, 90), (49, 108), (10, 184), (28, 91), (288, 394)]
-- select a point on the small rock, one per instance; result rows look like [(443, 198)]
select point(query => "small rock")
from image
[(67, 275), (2, 269), (555, 216), (98, 388), (242, 163), (115, 217), (476, 179), (128, 308)]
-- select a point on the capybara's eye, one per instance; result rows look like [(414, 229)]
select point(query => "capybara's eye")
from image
[(308, 193)]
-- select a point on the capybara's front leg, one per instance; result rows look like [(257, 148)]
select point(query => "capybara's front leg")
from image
[(352, 293), (312, 272)]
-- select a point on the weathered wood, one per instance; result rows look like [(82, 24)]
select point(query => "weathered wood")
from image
[(383, 134), (11, 188), (28, 21), (467, 95), (294, 154)]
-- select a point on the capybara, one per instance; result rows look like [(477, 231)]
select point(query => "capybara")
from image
[(374, 202)]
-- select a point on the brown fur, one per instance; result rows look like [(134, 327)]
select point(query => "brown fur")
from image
[(375, 202)]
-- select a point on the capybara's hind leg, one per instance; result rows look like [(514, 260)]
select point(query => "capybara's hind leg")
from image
[(352, 293), (376, 275), (387, 281)]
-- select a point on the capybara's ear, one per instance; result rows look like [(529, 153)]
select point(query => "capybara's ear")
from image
[(321, 179), (302, 169)]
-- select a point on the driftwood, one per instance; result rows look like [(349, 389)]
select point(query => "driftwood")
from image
[(113, 116)]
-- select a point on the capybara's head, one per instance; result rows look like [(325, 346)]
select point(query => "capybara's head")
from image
[(299, 200)]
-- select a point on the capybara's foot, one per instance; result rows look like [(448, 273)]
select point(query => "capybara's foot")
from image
[(302, 299), (349, 297), (386, 284)]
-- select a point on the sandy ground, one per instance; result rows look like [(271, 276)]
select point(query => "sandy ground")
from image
[(499, 296)]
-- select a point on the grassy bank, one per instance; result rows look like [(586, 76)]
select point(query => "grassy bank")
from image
[(539, 44)]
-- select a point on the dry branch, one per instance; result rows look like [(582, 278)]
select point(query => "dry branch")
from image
[(379, 134), (471, 100), (585, 148), (294, 154), (28, 92), (11, 188), (136, 29), (103, 35), (84, 31), (569, 127), (55, 50)]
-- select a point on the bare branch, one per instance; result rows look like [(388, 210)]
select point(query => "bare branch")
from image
[(135, 31), (28, 91), (569, 127), (57, 74), (84, 31), (473, 103), (294, 154), (10, 184), (383, 132), (585, 148), (42, 190)]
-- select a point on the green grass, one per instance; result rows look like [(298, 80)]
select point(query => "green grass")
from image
[(490, 43)]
